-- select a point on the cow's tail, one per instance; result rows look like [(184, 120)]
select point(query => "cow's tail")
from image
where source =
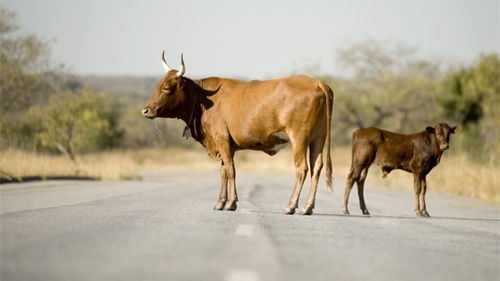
[(329, 109)]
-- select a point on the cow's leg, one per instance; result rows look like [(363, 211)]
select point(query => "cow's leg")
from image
[(231, 174), (423, 209), (299, 149), (223, 188), (226, 154), (361, 185), (417, 187), (316, 163)]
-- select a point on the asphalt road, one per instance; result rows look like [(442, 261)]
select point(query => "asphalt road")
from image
[(164, 228)]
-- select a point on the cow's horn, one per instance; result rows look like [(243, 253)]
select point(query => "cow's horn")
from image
[(164, 62), (183, 68)]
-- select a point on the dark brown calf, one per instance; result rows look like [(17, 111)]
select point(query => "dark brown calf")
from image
[(416, 153)]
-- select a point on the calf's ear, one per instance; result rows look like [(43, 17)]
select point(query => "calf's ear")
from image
[(430, 130), (456, 129)]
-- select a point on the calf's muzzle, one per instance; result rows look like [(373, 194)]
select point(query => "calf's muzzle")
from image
[(444, 146)]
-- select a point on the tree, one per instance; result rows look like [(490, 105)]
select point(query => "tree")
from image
[(26, 78), (385, 86), (23, 61), (471, 96), (71, 122), (467, 91)]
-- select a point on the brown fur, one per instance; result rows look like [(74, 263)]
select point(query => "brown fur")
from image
[(416, 153), (231, 115)]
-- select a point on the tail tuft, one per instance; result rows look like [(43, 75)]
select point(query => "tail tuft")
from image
[(329, 179)]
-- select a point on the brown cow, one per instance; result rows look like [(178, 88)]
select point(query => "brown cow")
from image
[(416, 153), (227, 115)]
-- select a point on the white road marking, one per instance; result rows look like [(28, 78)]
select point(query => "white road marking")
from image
[(244, 230), (242, 275), (388, 222), (245, 211)]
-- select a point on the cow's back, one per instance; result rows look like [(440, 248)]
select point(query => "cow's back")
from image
[(254, 110)]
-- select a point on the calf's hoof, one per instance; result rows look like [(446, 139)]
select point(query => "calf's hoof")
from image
[(231, 206), (289, 211), (307, 211), (365, 212), (425, 214), (345, 211), (219, 206)]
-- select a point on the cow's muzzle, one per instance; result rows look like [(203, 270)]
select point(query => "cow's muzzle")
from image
[(148, 112)]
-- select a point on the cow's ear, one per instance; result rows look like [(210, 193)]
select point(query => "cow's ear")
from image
[(181, 83), (430, 130), (456, 129)]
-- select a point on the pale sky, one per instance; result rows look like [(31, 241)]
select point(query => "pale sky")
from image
[(255, 39)]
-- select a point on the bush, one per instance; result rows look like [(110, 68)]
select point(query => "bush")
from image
[(71, 122)]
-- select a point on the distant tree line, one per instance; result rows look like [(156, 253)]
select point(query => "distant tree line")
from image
[(45, 109), (387, 86)]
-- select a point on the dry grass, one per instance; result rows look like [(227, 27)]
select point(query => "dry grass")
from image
[(110, 165), (455, 175), (107, 165)]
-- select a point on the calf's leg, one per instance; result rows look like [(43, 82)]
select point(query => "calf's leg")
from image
[(351, 178), (417, 188), (423, 209), (363, 156), (299, 149), (316, 163), (361, 185)]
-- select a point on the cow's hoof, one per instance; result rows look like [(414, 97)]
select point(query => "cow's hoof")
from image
[(424, 213), (219, 206), (419, 214), (231, 206), (365, 212), (289, 211), (307, 211), (345, 211)]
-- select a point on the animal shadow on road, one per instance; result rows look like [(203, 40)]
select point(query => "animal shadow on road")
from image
[(410, 218), (374, 216)]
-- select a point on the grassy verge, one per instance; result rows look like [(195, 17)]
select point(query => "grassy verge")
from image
[(455, 175)]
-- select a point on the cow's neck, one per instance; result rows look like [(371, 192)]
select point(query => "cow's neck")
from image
[(196, 103), (193, 108)]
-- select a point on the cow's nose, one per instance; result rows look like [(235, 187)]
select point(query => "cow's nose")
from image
[(145, 111)]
